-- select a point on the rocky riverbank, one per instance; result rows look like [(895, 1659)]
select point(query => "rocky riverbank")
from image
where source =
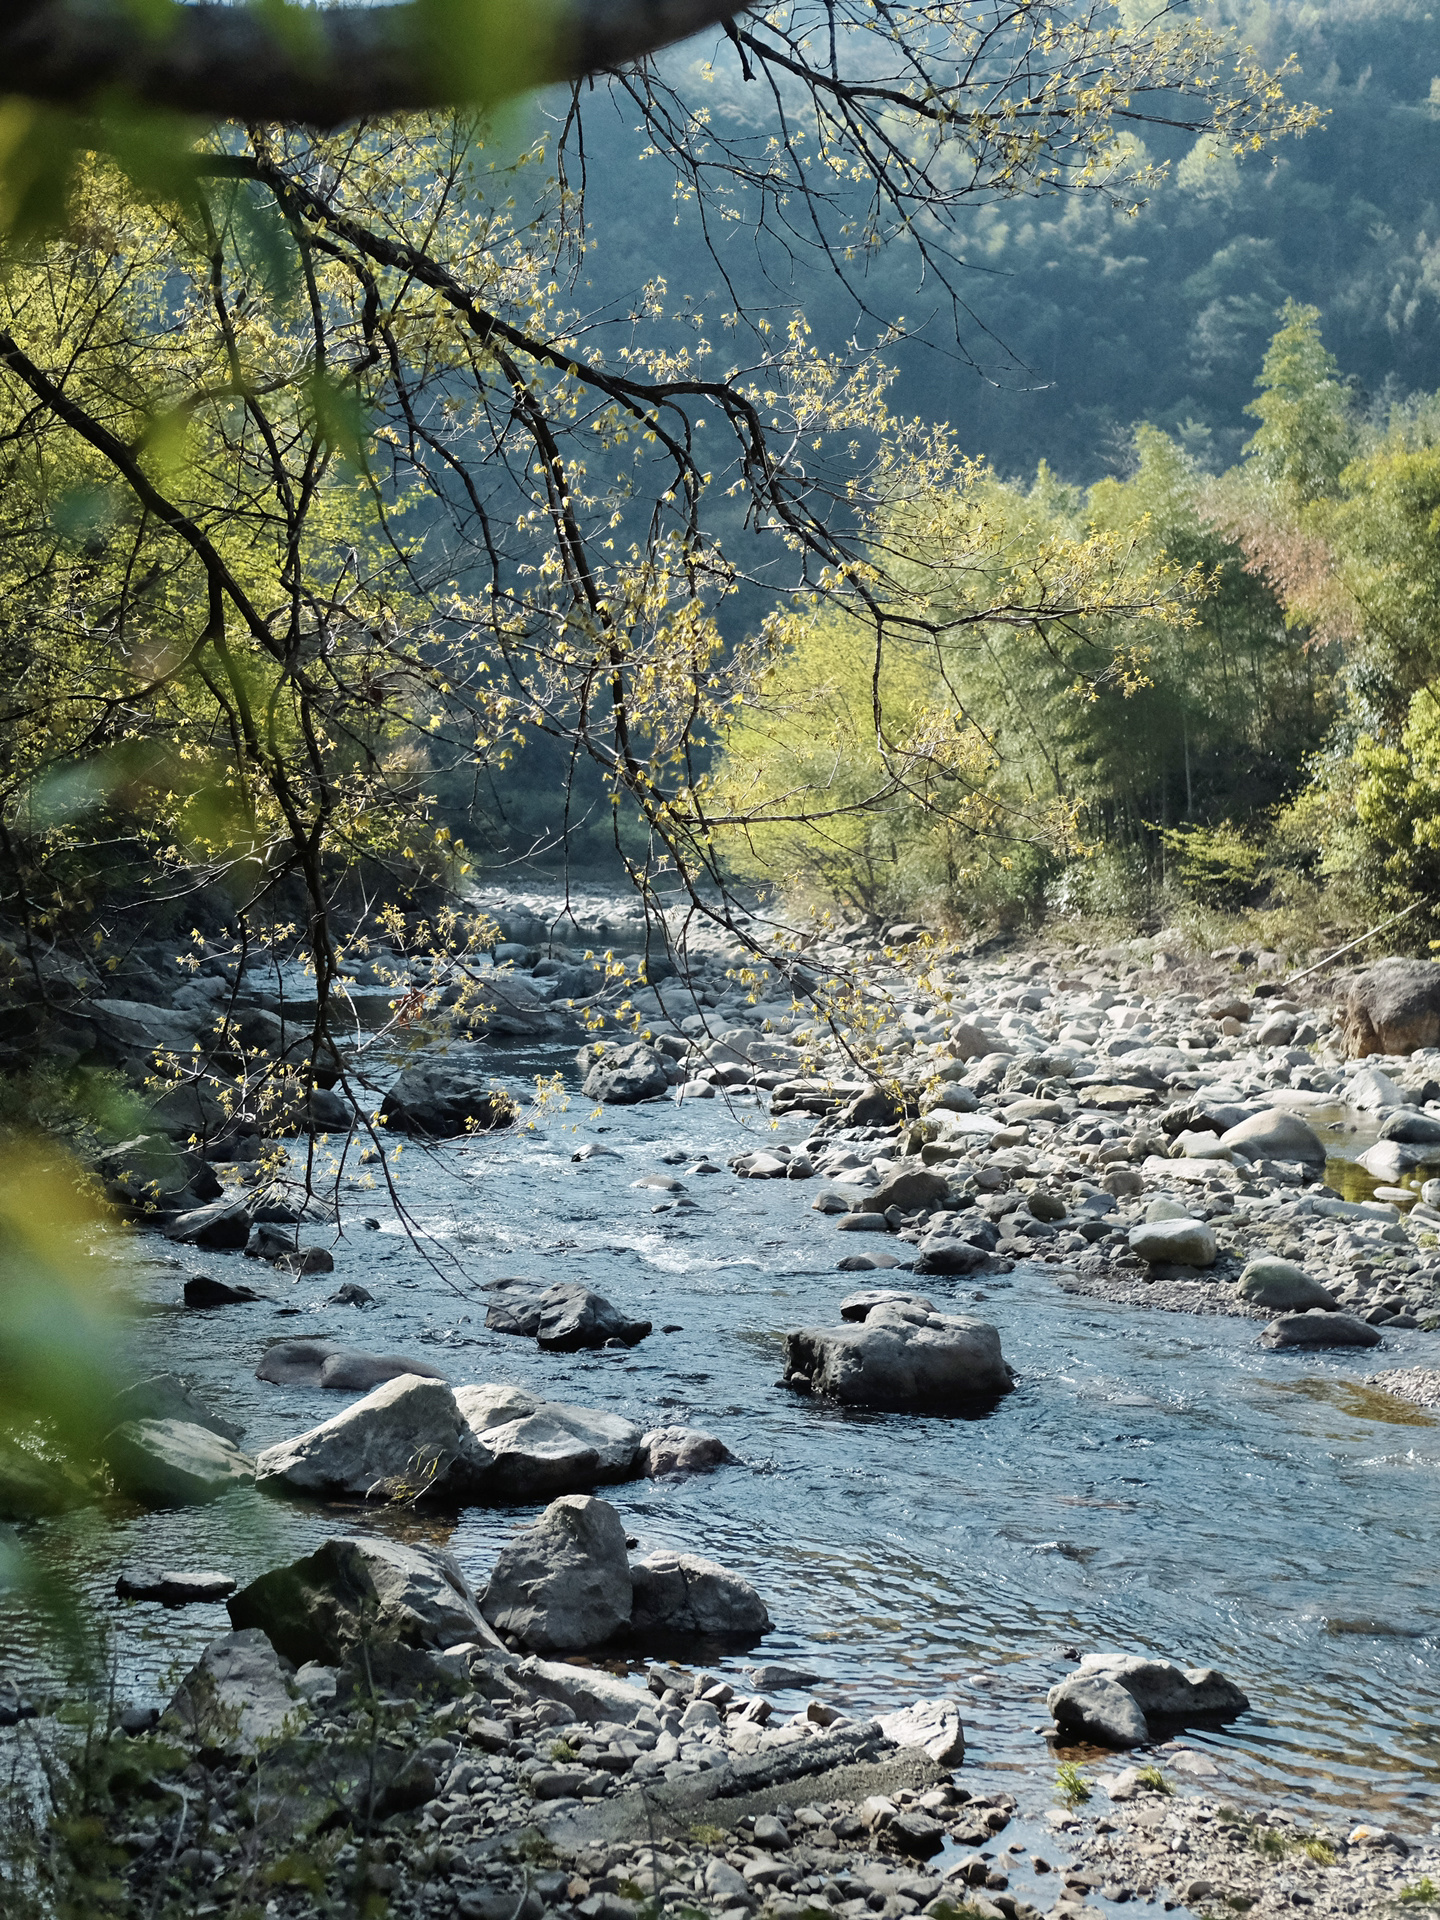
[(496, 1787), (1140, 1135)]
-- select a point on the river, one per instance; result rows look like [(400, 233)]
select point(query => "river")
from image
[(1157, 1483)]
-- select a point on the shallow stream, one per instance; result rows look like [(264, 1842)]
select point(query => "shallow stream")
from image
[(1156, 1483)]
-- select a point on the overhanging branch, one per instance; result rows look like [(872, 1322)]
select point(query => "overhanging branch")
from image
[(321, 66)]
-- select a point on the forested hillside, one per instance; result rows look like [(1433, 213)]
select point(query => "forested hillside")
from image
[(1082, 321)]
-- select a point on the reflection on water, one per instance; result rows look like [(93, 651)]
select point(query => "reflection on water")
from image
[(1157, 1482)]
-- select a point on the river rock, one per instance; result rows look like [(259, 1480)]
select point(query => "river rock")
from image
[(165, 1396), (935, 1725), (324, 1363), (295, 1363), (563, 1318), (1371, 1091), (407, 1433), (360, 1372), (1412, 1127), (666, 1451), (221, 1227), (369, 1589), (203, 1293), (235, 1696), (562, 1583), (1284, 1287), (682, 1593), (1390, 1160), (443, 1099), (901, 1357), (173, 1589), (909, 1189), (947, 1254), (1166, 1694), (624, 1075), (31, 1486), (1097, 1709), (532, 1449), (170, 1463), (1392, 1007), (1319, 1329), (859, 1306), (1185, 1243), (1276, 1135), (588, 1692)]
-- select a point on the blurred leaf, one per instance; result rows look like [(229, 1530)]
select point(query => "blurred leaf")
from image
[(38, 148), (57, 1322), (84, 512), (340, 415), (166, 440)]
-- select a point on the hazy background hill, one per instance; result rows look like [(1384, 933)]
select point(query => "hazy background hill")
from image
[(1109, 320)]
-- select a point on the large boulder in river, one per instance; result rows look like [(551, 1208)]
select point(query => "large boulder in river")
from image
[(1318, 1328), (1390, 1160), (223, 1226), (1183, 1243), (1092, 1707), (683, 1593), (901, 1356), (666, 1451), (170, 1463), (443, 1098), (624, 1075), (402, 1437), (563, 1584), (1276, 1135), (352, 1591), (1392, 1007), (1123, 1700), (563, 1318), (1283, 1287), (1412, 1127), (943, 1253), (526, 1448)]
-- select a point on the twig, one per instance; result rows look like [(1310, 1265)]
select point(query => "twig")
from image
[(1355, 943)]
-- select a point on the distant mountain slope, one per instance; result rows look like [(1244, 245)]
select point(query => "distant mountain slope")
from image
[(1163, 316)]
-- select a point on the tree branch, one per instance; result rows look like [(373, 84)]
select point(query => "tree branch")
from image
[(322, 66)]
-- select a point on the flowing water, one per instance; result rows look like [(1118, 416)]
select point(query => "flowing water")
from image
[(1157, 1482)]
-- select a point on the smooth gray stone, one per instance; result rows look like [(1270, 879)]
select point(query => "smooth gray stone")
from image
[(684, 1593), (562, 1584)]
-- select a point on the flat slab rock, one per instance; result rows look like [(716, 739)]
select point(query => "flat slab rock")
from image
[(174, 1589), (1318, 1328)]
